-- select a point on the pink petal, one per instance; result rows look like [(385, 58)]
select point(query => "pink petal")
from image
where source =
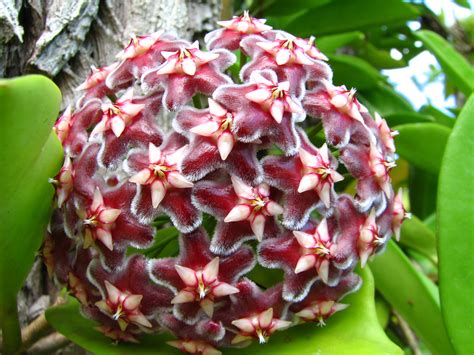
[(189, 67), (208, 307), (178, 180), (259, 95), (258, 226), (244, 324), (177, 155), (183, 297), (154, 153), (305, 263), (302, 58), (308, 159), (167, 67), (274, 208), (238, 213), (280, 324), (158, 192), (267, 46), (308, 182), (141, 177), (276, 110), (118, 125), (211, 270), (225, 143), (105, 237), (224, 289), (215, 109), (140, 319), (265, 318), (167, 54), (283, 56), (206, 129), (98, 200), (187, 275), (323, 271), (113, 293), (322, 230), (132, 302), (339, 100), (304, 239), (284, 85), (324, 193), (241, 189), (109, 215)]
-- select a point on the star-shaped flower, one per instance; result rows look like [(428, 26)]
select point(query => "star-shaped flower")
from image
[(234, 31), (198, 277), (369, 238), (259, 326), (380, 168), (318, 173), (399, 214), (63, 181), (119, 115), (194, 347), (274, 96), (63, 124), (188, 71), (386, 134), (98, 221)]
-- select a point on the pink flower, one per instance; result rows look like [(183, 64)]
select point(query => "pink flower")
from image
[(162, 173), (63, 124), (188, 71), (274, 97), (259, 326), (318, 174), (369, 238), (380, 168), (139, 45), (63, 181), (119, 115), (123, 307), (317, 251), (234, 31), (386, 134), (194, 347), (98, 221), (399, 214), (320, 311), (345, 101)]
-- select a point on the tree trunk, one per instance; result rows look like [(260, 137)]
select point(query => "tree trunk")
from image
[(63, 39)]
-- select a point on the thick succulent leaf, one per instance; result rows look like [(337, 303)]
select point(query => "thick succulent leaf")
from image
[(422, 144), (399, 118), (417, 236), (355, 330), (385, 100), (454, 65), (67, 320), (30, 154), (421, 185), (413, 295), (343, 16), (330, 43), (354, 72), (456, 232)]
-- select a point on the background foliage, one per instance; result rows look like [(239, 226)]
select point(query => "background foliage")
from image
[(423, 285)]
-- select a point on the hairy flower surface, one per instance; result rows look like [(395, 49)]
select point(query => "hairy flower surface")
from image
[(157, 230)]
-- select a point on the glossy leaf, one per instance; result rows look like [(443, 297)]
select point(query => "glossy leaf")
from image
[(422, 144), (415, 235), (421, 185), (384, 100), (454, 65), (399, 118), (355, 330), (354, 72), (329, 44), (438, 115), (30, 154), (344, 16), (456, 232), (413, 295), (67, 320)]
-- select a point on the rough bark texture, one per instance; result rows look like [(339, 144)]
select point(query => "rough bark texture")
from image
[(63, 39)]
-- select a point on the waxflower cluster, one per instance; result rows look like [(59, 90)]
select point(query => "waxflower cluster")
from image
[(243, 164)]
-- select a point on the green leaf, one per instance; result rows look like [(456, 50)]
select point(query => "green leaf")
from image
[(283, 8), (329, 44), (421, 185), (67, 320), (354, 72), (455, 66), (355, 330), (379, 58), (415, 235), (438, 115), (385, 100), (456, 232), (422, 144), (398, 118), (30, 154), (413, 295), (345, 16)]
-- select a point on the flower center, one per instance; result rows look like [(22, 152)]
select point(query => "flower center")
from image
[(227, 122), (277, 93), (258, 203)]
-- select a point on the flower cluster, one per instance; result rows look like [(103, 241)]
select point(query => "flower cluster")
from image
[(243, 164)]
